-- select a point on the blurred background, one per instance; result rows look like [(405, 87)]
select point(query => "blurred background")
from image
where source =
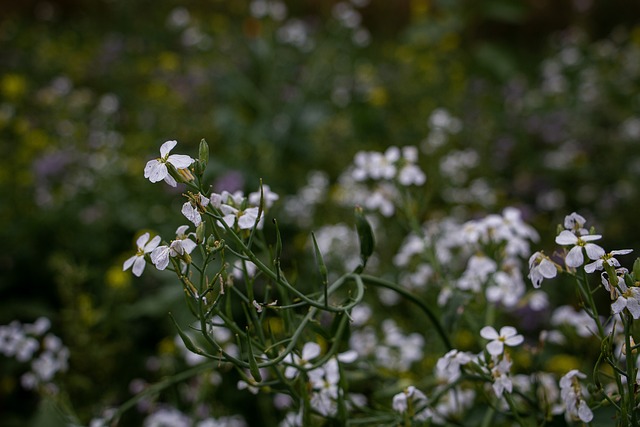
[(533, 103)]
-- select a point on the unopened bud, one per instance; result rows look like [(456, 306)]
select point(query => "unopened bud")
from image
[(200, 229), (203, 153)]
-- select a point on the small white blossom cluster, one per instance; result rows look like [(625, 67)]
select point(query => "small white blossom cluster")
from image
[(498, 277), (442, 125), (572, 394), (237, 211), (583, 253), (30, 342), (385, 171), (391, 347), (165, 416)]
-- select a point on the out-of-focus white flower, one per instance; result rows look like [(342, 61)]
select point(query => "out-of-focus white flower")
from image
[(156, 170), (541, 267), (508, 336), (310, 351), (144, 247), (571, 393), (409, 396)]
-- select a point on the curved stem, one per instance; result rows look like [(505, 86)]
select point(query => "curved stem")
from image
[(409, 296)]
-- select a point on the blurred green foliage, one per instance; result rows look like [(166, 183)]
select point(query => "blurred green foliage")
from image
[(546, 93)]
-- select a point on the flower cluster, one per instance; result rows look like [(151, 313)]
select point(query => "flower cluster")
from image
[(30, 342)]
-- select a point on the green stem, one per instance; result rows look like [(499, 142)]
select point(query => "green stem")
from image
[(409, 296)]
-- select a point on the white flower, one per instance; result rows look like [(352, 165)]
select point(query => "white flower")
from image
[(268, 197), (608, 258), (156, 170), (508, 335), (541, 267), (244, 219), (448, 366), (144, 247), (191, 210), (574, 257), (180, 246), (575, 223), (501, 379), (571, 393), (629, 299), (410, 395), (311, 350)]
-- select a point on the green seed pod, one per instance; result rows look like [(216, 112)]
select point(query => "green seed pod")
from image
[(253, 365)]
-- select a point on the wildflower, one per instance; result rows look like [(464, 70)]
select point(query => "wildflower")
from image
[(629, 298), (508, 335), (574, 257), (311, 350), (244, 219), (448, 366), (571, 393), (156, 170), (144, 247), (575, 223), (192, 209), (541, 267), (608, 258), (501, 379), (181, 246), (267, 196), (410, 399)]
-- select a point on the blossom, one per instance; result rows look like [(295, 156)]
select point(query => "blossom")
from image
[(191, 209), (501, 379), (571, 393), (608, 258), (508, 335), (144, 246), (575, 258), (409, 396), (156, 170), (629, 299), (575, 222), (310, 350), (244, 219), (541, 267), (181, 246)]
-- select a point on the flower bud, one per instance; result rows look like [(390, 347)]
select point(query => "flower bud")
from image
[(203, 153), (200, 229)]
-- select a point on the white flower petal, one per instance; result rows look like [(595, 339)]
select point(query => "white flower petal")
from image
[(574, 257), (152, 244), (128, 263), (167, 147), (160, 257), (508, 331), (548, 269), (594, 251), (155, 171), (180, 161), (138, 266), (142, 240), (310, 351), (489, 333), (170, 180), (566, 238), (495, 348), (619, 305)]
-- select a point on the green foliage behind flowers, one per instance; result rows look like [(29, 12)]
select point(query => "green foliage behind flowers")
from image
[(288, 93)]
